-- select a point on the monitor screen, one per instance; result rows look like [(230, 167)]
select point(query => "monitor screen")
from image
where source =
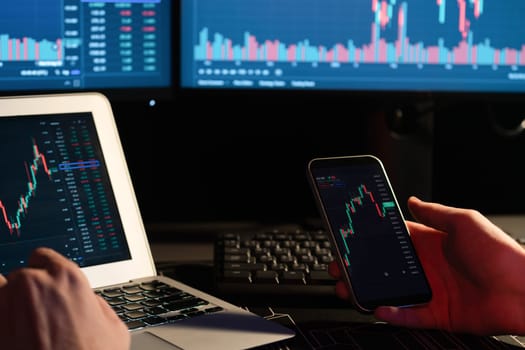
[(336, 77), (68, 45), (375, 45)]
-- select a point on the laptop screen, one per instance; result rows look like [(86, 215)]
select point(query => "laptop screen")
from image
[(55, 192)]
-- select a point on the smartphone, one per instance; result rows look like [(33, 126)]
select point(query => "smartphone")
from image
[(368, 232)]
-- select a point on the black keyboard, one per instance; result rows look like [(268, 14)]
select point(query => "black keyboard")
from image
[(273, 262)]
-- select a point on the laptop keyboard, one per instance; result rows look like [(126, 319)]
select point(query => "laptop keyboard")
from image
[(153, 303), (273, 262)]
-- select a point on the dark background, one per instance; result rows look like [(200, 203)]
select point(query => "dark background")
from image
[(203, 157)]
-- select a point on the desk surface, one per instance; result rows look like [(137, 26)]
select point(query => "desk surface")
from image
[(514, 225), (200, 249)]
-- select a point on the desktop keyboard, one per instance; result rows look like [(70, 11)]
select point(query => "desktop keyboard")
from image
[(273, 262)]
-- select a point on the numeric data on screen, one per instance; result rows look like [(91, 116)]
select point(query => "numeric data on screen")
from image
[(55, 192), (84, 44)]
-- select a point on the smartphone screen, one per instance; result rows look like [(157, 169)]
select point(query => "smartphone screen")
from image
[(369, 233)]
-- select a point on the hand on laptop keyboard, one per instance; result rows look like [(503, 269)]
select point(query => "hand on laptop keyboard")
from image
[(50, 305)]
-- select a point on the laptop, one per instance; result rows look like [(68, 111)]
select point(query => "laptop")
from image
[(67, 187)]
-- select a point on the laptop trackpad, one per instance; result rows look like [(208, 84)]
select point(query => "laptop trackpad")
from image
[(146, 340), (223, 330)]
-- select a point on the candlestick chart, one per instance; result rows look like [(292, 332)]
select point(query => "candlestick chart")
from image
[(37, 164), (54, 192), (361, 214), (403, 43), (372, 242)]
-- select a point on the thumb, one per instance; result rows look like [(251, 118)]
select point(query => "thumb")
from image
[(437, 216), (412, 317)]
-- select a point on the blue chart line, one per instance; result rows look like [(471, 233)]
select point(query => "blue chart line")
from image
[(79, 165)]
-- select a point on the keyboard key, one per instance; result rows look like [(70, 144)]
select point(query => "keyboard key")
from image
[(274, 262), (293, 277), (238, 275), (266, 277), (153, 303), (321, 276)]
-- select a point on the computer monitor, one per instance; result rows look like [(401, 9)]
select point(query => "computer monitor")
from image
[(376, 45), (121, 48), (333, 77)]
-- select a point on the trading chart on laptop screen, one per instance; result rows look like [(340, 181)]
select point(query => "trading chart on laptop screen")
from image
[(55, 192), (425, 45)]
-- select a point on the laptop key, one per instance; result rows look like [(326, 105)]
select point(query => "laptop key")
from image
[(135, 324)]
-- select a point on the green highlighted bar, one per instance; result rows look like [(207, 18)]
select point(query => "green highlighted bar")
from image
[(388, 205)]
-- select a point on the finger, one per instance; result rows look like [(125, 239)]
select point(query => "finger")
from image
[(340, 287), (341, 290), (434, 215), (49, 259), (106, 309), (454, 220), (3, 280), (333, 270), (406, 317), (422, 234)]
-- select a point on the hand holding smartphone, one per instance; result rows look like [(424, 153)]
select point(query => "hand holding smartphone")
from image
[(368, 231)]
